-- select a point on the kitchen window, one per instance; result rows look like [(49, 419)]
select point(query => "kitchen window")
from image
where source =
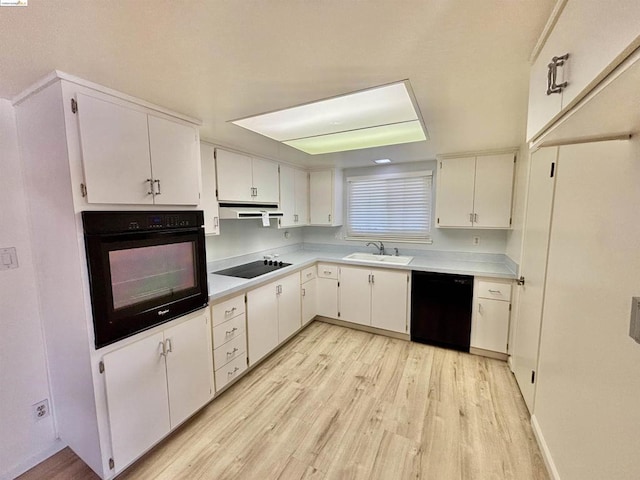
[(393, 207)]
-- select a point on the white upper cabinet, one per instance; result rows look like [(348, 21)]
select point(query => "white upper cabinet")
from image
[(131, 157), (209, 202), (294, 197), (325, 197), (475, 191), (597, 36), (244, 179)]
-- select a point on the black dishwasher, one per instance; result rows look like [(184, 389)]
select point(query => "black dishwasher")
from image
[(441, 309)]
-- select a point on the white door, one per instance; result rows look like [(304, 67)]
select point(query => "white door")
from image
[(533, 267), (454, 199), (301, 197), (493, 191), (355, 295), (320, 197), (309, 292), (289, 309), (327, 299), (389, 300), (189, 367), (265, 181), (262, 321), (115, 152), (209, 201), (287, 196), (175, 162), (234, 176), (137, 400), (491, 325)]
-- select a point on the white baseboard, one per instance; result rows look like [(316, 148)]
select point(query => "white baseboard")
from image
[(546, 453), (32, 461)]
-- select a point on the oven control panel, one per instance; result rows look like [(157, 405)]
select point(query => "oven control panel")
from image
[(101, 222)]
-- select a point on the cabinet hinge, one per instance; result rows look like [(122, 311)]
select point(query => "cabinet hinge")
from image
[(510, 220), (533, 376), (338, 314), (438, 219), (215, 155), (112, 464), (553, 169), (245, 299), (74, 105), (216, 193), (514, 158), (509, 307), (101, 367), (278, 168), (83, 190), (338, 284)]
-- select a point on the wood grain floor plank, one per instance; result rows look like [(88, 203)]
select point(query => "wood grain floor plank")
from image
[(336, 403)]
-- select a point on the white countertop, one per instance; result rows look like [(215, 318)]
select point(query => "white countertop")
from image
[(442, 262)]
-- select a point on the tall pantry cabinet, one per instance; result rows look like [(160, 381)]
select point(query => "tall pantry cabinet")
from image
[(116, 156)]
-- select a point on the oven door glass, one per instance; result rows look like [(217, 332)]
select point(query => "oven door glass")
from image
[(141, 280)]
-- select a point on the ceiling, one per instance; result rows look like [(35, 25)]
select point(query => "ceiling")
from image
[(219, 60)]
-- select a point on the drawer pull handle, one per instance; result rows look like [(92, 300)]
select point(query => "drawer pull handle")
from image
[(232, 373), (232, 353), (309, 274), (327, 272), (232, 331), (495, 292), (229, 312)]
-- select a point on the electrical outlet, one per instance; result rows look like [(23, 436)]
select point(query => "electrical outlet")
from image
[(41, 409), (476, 240)]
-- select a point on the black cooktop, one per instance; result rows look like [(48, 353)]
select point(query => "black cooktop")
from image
[(253, 269)]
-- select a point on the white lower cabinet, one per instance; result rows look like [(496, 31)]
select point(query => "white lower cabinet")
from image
[(327, 290), (375, 297), (154, 384), (229, 340), (491, 314), (273, 315), (309, 294)]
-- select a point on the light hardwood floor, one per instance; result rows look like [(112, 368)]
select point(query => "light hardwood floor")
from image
[(336, 403)]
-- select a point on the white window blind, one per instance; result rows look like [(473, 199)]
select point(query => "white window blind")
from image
[(393, 207)]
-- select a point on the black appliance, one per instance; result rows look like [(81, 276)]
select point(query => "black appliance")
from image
[(253, 269), (145, 268), (441, 309)]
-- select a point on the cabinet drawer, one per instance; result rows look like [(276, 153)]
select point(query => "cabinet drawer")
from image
[(228, 330), (230, 351), (327, 271), (228, 309), (308, 274), (494, 290), (230, 371)]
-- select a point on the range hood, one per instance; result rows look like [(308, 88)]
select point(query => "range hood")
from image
[(241, 211)]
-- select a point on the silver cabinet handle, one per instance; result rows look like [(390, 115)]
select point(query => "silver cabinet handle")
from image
[(231, 332), (232, 352), (304, 292), (329, 217), (216, 221), (163, 353), (495, 292), (480, 308), (295, 217), (471, 217), (157, 182), (150, 182), (229, 374), (475, 218), (169, 345), (373, 279), (230, 312), (369, 278), (328, 272), (552, 74)]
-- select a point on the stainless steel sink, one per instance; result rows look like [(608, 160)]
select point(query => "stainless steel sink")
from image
[(374, 258)]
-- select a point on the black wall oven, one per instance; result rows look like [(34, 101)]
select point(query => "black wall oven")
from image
[(145, 268)]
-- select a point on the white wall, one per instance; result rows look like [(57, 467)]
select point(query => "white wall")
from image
[(491, 241), (240, 237), (23, 372)]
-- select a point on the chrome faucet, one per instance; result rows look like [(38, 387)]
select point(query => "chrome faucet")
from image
[(379, 247)]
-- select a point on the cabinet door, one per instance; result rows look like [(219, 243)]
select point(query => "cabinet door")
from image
[(115, 152), (287, 196), (289, 314), (389, 293), (234, 176), (209, 202), (265, 181), (493, 191), (320, 197), (309, 293), (136, 386), (189, 367), (175, 162), (355, 295), (262, 322), (301, 197), (327, 305), (454, 199), (490, 329)]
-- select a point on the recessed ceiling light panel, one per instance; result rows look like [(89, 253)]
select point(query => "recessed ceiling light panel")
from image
[(375, 117)]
